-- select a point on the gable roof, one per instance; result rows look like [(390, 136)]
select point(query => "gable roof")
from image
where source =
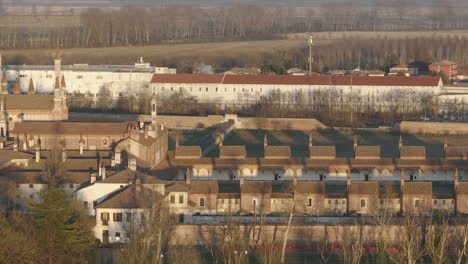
[(257, 187), (364, 187), (417, 188), (188, 152), (297, 80), (306, 187), (124, 176), (204, 187), (277, 152), (413, 152), (177, 187), (322, 152), (28, 101), (71, 128), (456, 152), (130, 198), (367, 152), (232, 152)]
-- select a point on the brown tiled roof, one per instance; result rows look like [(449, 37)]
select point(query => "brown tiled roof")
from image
[(417, 188), (277, 152), (363, 187), (129, 198), (177, 187), (320, 152), (296, 80), (8, 155), (413, 152), (28, 101), (232, 152), (462, 188), (71, 128), (306, 187), (188, 152), (123, 176), (367, 152), (261, 187), (204, 187), (456, 152)]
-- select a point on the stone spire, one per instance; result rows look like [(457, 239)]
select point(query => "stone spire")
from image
[(62, 82), (17, 89), (153, 129), (57, 64), (4, 89), (31, 89)]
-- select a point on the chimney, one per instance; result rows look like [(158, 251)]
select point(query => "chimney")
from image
[(177, 140), (355, 142), (25, 142), (445, 144), (117, 157), (400, 143), (295, 178), (265, 141), (348, 180), (138, 185), (310, 141), (188, 176), (241, 177), (38, 153), (64, 155), (15, 145), (92, 178), (81, 142), (132, 164), (100, 166), (103, 176), (402, 178), (456, 179)]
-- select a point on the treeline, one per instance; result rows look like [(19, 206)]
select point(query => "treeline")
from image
[(133, 25)]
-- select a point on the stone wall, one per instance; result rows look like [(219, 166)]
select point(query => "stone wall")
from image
[(441, 128), (190, 122)]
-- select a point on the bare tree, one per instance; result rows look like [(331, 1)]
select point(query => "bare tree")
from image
[(352, 243), (437, 239)]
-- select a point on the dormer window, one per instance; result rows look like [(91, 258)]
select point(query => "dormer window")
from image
[(309, 202), (202, 202)]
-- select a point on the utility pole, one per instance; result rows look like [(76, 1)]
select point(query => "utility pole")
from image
[(311, 43)]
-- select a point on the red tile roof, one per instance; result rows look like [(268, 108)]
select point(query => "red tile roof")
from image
[(297, 80)]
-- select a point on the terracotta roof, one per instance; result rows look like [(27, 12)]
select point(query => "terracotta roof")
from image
[(417, 188), (204, 187), (413, 152), (277, 152), (323, 152), (129, 197), (232, 152), (306, 187), (297, 80), (364, 187), (456, 152), (257, 187), (367, 152), (69, 128), (28, 101), (8, 155), (444, 63), (188, 152)]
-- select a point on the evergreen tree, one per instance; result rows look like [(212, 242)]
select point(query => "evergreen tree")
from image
[(64, 238)]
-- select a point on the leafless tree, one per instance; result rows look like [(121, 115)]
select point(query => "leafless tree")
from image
[(437, 238)]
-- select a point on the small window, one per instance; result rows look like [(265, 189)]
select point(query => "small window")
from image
[(49, 76), (129, 217), (172, 199), (435, 201), (85, 204), (181, 199), (99, 77), (117, 235), (31, 185), (104, 142), (23, 75), (117, 217), (309, 202), (329, 201), (71, 186), (172, 88), (254, 202), (236, 201), (216, 89), (79, 76), (443, 201), (105, 216), (363, 203), (343, 202), (336, 201), (202, 202), (31, 196), (207, 89), (416, 203), (199, 89)]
